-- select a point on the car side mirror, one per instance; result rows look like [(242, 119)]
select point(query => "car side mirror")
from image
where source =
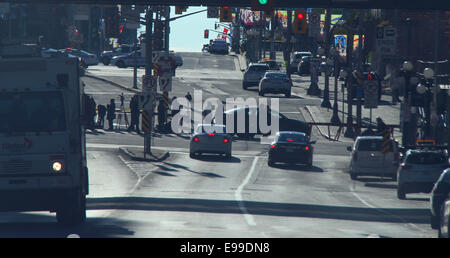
[(349, 148), (312, 142)]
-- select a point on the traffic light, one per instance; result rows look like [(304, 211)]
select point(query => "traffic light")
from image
[(158, 36), (226, 14), (263, 5), (206, 34), (300, 25), (180, 9), (111, 22)]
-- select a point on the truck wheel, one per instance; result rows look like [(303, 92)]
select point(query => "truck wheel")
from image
[(73, 211)]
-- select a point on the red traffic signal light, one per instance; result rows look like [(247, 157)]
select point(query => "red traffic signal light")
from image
[(300, 16), (226, 14), (300, 25), (206, 34)]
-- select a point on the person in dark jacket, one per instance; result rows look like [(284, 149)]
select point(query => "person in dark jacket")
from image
[(134, 108), (101, 116), (111, 115), (381, 126)]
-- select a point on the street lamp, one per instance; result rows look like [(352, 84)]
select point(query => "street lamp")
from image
[(407, 128), (314, 87), (335, 118), (428, 74)]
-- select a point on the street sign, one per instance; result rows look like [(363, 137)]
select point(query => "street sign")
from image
[(145, 100), (386, 40), (385, 146), (148, 82), (370, 94), (165, 83)]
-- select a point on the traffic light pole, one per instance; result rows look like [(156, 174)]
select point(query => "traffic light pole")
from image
[(326, 92), (349, 133), (148, 74)]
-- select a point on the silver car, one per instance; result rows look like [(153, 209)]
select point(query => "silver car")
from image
[(296, 58), (88, 58), (208, 138), (367, 158), (420, 170), (275, 82), (254, 74), (127, 60)]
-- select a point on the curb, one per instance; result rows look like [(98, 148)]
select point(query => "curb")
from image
[(149, 157), (112, 83)]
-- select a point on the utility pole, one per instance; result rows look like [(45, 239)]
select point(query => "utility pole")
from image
[(148, 74), (288, 49), (326, 93), (349, 133)]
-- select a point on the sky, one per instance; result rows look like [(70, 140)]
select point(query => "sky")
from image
[(186, 33)]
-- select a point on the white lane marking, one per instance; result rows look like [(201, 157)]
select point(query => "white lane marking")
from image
[(238, 194), (382, 210)]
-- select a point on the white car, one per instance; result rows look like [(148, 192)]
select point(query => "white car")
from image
[(275, 82), (420, 170), (210, 138), (88, 58), (367, 158)]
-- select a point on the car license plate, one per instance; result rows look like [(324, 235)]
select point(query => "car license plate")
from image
[(289, 150)]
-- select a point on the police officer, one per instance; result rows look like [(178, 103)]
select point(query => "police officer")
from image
[(101, 115), (134, 108), (111, 115)]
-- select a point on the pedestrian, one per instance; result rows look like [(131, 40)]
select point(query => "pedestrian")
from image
[(188, 96), (134, 108), (381, 126), (111, 115), (101, 116), (161, 114), (93, 112)]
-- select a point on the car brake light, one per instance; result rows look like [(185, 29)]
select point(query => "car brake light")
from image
[(290, 140), (225, 140), (405, 166), (306, 148), (273, 146), (211, 134), (196, 139)]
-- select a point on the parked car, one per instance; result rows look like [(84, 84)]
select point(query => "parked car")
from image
[(275, 82), (253, 74), (219, 47), (291, 147), (304, 65), (273, 65), (106, 56), (439, 194), (124, 61), (252, 114), (50, 53), (419, 171), (367, 158), (208, 138), (88, 58), (296, 58)]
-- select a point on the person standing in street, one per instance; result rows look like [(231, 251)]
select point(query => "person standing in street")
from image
[(111, 115), (101, 115), (134, 108)]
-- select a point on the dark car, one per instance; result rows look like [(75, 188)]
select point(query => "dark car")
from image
[(304, 65), (106, 56), (219, 47), (440, 192), (273, 65), (291, 147), (252, 114)]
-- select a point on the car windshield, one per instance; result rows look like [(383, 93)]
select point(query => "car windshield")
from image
[(372, 145), (258, 68), (276, 76), (291, 137), (32, 112), (210, 129), (426, 158)]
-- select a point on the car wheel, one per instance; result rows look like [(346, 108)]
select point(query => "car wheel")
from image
[(270, 163), (192, 155), (353, 176), (228, 155), (394, 177), (310, 163), (441, 221), (434, 222), (73, 211), (106, 60), (121, 64), (244, 85), (400, 193), (261, 93), (287, 94)]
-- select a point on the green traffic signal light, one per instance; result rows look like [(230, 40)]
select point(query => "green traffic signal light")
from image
[(262, 2)]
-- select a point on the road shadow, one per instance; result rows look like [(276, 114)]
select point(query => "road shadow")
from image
[(42, 225), (178, 167), (297, 167), (217, 158), (300, 210)]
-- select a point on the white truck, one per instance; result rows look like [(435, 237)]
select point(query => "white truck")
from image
[(42, 137)]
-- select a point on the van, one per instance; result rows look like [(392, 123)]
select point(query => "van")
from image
[(367, 158)]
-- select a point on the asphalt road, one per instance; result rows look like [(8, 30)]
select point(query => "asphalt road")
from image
[(211, 197)]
